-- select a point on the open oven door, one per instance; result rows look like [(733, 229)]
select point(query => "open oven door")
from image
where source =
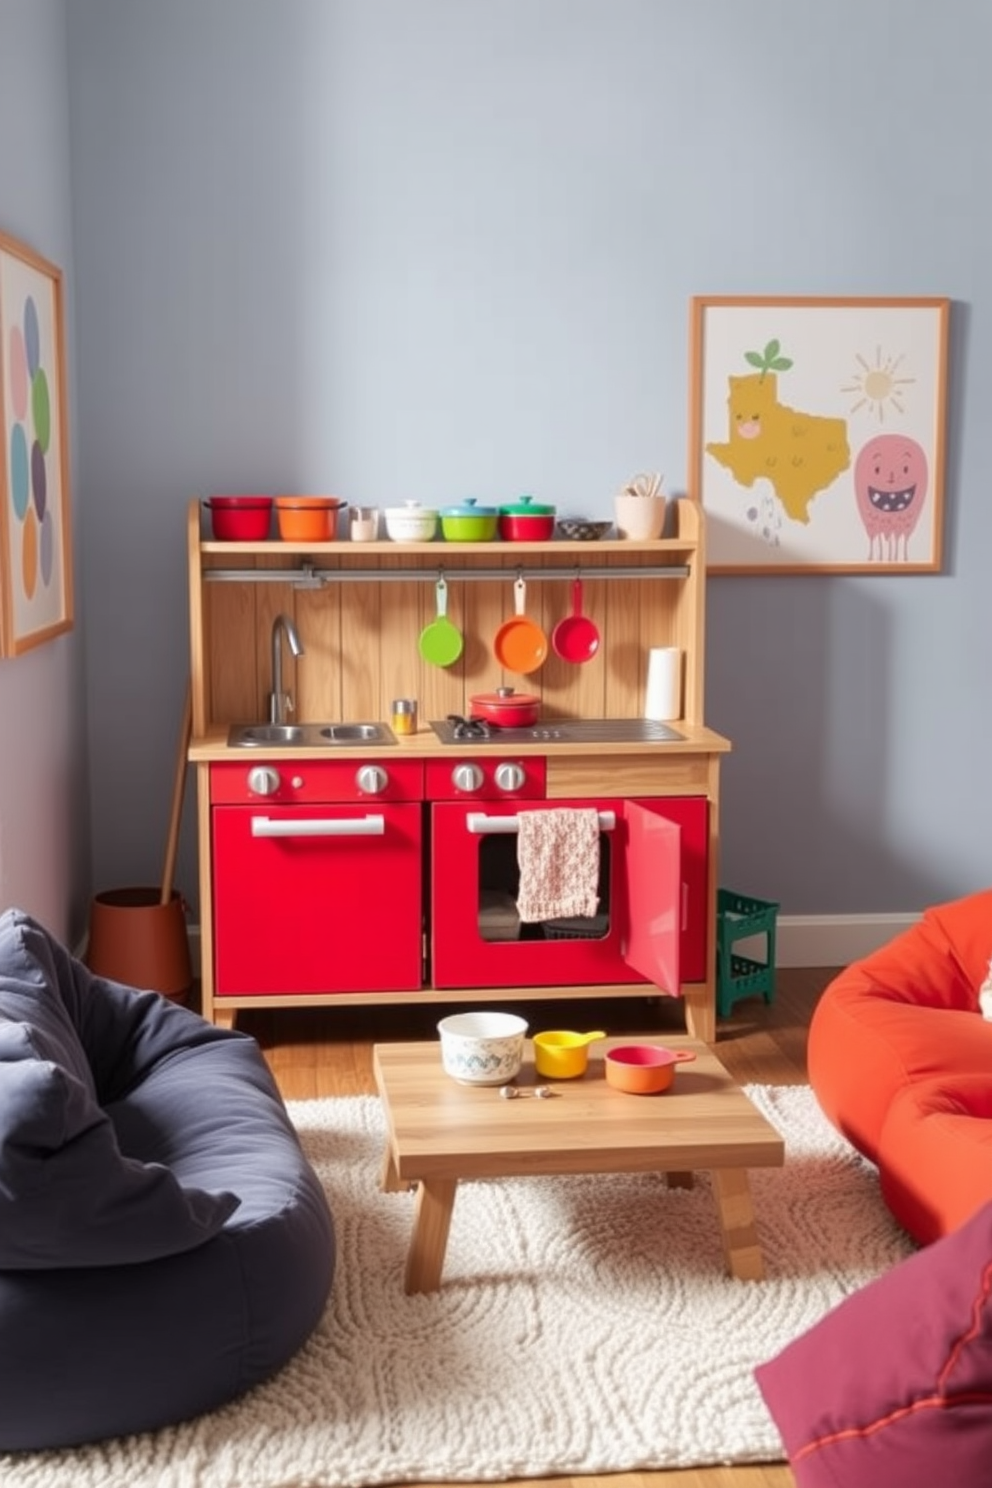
[(653, 862)]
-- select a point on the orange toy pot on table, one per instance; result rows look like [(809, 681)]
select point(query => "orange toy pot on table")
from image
[(643, 1069)]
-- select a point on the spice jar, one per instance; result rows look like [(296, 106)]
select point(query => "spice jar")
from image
[(404, 715)]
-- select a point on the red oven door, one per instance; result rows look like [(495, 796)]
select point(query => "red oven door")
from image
[(317, 898), (636, 936)]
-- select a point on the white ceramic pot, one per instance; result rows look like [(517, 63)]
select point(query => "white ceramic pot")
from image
[(641, 518), (411, 523), (482, 1048)]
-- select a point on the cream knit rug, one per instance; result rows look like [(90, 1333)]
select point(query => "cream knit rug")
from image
[(585, 1325)]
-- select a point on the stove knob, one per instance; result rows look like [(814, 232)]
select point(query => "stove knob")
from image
[(467, 778), (263, 780), (510, 777), (372, 780)]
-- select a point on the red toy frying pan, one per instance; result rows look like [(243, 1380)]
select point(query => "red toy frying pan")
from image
[(575, 638)]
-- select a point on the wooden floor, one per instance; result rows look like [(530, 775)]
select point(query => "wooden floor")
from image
[(328, 1052)]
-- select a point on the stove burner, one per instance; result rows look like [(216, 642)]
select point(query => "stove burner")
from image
[(469, 728)]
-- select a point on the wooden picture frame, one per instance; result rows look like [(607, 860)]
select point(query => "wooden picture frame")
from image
[(36, 593), (817, 428)]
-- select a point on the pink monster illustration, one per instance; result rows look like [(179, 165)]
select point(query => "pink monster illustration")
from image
[(890, 483)]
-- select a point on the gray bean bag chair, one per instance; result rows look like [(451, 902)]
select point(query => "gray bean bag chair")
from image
[(164, 1243)]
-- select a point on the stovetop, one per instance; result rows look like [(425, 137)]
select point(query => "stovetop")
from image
[(476, 731)]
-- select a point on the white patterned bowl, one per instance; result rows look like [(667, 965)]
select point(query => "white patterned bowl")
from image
[(482, 1048)]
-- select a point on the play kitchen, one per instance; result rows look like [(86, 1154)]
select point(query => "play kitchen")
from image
[(345, 860)]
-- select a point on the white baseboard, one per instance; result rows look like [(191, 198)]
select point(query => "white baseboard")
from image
[(834, 940), (801, 940)]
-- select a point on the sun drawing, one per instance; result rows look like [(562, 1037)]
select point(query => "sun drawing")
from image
[(877, 385)]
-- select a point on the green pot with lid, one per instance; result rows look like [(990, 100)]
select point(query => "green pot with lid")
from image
[(469, 522), (526, 520)]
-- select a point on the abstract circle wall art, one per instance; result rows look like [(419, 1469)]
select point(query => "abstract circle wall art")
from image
[(35, 524)]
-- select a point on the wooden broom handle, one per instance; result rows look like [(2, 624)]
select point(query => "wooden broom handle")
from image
[(178, 789)]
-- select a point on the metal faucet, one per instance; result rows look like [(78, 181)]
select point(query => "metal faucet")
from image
[(281, 702)]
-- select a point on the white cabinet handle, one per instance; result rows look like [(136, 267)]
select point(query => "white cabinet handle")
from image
[(479, 824), (355, 826)]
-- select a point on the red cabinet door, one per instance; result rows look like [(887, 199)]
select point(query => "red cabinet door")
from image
[(691, 815), (312, 899), (653, 927)]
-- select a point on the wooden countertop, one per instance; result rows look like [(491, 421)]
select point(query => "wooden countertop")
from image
[(697, 739)]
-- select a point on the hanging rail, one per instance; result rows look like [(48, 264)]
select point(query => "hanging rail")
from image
[(307, 576)]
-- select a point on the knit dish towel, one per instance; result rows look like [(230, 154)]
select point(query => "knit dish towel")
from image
[(558, 858)]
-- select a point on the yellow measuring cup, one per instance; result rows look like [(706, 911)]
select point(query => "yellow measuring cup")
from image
[(560, 1055)]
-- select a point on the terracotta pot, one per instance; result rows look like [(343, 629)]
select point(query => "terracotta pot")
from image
[(505, 708), (137, 940)]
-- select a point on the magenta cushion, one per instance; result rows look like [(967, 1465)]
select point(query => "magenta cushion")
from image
[(893, 1388)]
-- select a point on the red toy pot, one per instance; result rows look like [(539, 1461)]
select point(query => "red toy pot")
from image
[(526, 520), (240, 518), (505, 708)]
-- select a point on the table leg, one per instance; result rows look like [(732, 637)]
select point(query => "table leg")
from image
[(740, 1236), (389, 1182), (679, 1180), (431, 1222)]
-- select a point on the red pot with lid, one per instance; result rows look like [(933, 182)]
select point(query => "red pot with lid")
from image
[(526, 520), (505, 708)]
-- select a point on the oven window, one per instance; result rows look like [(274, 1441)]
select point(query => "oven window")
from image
[(499, 886)]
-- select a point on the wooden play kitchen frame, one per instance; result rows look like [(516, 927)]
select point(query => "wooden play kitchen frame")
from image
[(440, 1132), (359, 609)]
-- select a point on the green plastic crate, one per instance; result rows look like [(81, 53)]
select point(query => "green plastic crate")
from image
[(739, 917)]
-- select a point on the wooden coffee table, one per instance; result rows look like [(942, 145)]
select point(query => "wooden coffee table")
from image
[(439, 1132)]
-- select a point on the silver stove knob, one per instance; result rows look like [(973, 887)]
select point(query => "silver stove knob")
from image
[(510, 777), (467, 778), (263, 780), (372, 780)]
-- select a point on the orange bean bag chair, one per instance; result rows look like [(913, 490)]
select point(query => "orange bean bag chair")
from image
[(900, 1059)]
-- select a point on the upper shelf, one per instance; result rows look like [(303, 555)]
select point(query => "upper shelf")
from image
[(446, 551), (684, 521)]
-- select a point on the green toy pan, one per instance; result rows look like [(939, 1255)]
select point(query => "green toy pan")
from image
[(441, 642)]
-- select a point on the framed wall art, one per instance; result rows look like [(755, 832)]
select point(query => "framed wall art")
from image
[(816, 439), (35, 530)]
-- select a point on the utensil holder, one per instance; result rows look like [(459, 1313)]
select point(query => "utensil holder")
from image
[(640, 518)]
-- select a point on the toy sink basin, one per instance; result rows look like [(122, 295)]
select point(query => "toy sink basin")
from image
[(257, 735)]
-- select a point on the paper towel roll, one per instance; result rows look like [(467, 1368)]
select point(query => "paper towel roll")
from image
[(663, 692)]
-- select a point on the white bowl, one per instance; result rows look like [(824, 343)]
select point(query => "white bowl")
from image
[(411, 523), (482, 1048)]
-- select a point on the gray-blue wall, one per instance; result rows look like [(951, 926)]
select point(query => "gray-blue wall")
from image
[(424, 250), (44, 789)]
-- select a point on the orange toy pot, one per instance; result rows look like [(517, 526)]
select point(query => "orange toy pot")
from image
[(643, 1069), (307, 518)]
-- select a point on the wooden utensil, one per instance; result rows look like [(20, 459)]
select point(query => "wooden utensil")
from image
[(178, 790)]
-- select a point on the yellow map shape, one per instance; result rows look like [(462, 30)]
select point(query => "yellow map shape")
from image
[(799, 453)]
